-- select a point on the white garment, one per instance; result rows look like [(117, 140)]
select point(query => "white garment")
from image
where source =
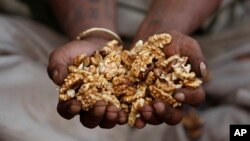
[(28, 98), (130, 15)]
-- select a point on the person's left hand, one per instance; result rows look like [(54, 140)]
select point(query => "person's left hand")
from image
[(161, 112)]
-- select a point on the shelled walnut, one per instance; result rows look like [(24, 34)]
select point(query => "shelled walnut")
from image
[(128, 79)]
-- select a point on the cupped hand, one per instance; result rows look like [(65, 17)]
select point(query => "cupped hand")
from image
[(160, 112), (102, 114)]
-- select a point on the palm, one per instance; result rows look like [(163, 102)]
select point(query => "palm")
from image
[(160, 111), (106, 116)]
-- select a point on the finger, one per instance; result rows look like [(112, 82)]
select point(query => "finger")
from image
[(174, 47), (62, 57), (193, 97), (69, 108), (186, 46), (99, 109), (111, 117), (122, 117), (166, 113), (92, 118), (179, 96), (57, 68), (139, 123), (148, 115), (192, 50)]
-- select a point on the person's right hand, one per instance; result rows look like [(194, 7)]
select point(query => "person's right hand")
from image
[(103, 115)]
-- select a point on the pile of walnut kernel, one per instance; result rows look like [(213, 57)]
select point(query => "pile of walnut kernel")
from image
[(128, 79)]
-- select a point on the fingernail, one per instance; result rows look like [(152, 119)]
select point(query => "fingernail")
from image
[(99, 111), (101, 104), (146, 108), (159, 107), (111, 116), (203, 69), (55, 76), (147, 115), (180, 97), (74, 109), (121, 114), (112, 109)]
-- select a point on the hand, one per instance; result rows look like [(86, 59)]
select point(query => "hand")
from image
[(106, 116), (160, 112)]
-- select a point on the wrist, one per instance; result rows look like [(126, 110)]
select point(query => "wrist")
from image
[(183, 16), (158, 22), (98, 36), (76, 31), (103, 32), (96, 40), (92, 43), (79, 15), (156, 26), (176, 15), (99, 33)]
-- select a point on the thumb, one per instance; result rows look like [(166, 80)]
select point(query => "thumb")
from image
[(186, 46), (57, 68), (192, 50), (64, 56)]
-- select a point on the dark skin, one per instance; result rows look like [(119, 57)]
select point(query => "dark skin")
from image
[(177, 17), (78, 15)]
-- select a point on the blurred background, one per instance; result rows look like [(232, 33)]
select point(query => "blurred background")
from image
[(28, 98)]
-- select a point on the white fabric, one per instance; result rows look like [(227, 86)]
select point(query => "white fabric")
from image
[(28, 98), (130, 15)]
